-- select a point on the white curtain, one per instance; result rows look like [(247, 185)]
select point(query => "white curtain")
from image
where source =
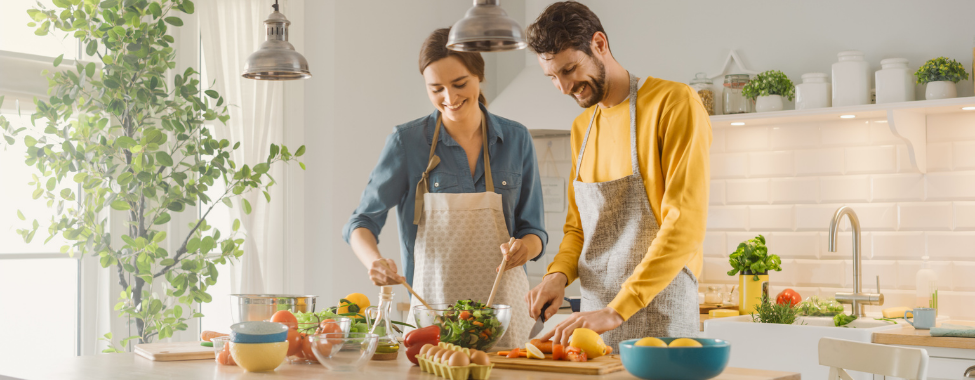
[(231, 30)]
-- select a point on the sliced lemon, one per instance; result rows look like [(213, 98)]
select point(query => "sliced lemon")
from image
[(685, 342), (534, 352), (650, 342), (589, 341)]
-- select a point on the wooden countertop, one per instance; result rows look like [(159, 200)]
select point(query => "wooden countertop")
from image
[(128, 366), (908, 336)]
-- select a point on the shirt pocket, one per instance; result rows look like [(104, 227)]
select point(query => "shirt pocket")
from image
[(443, 183), (507, 183)]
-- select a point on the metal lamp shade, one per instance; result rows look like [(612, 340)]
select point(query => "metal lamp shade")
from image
[(276, 59), (485, 28)]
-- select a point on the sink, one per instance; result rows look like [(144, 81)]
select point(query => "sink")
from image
[(793, 348)]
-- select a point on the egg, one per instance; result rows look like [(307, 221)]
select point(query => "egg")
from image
[(459, 360), (446, 356), (426, 348), (480, 358), (439, 354)]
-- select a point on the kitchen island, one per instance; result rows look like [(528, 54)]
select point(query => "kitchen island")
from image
[(128, 366)]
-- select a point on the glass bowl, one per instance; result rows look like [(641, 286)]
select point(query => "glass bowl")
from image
[(219, 343), (344, 352), (456, 326), (301, 356)]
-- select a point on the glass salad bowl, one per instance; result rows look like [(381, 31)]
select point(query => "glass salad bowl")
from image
[(344, 352), (466, 323)]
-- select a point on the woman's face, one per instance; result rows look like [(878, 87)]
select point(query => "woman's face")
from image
[(452, 89)]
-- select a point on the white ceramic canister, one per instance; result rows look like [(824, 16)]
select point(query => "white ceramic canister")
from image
[(813, 92), (895, 83), (851, 79)]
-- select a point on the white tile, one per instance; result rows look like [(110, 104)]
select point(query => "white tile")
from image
[(897, 245), (800, 245), (963, 155), (951, 245), (734, 238), (746, 139), (880, 133), (963, 276), (904, 161), (951, 127), (795, 190), (714, 245), (964, 215), (886, 269), (774, 218), (939, 157), (898, 187), (819, 161), (925, 216), (747, 191), (795, 136), (716, 195), (727, 218), (957, 305), (816, 217), (716, 271), (852, 132), (819, 272), (907, 274), (851, 188), (950, 186), (892, 297), (787, 276), (729, 165), (876, 216), (872, 216), (771, 164), (718, 140), (844, 245), (872, 159)]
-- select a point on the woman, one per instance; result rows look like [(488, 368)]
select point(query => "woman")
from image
[(463, 181)]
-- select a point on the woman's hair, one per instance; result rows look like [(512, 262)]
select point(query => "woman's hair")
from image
[(435, 49)]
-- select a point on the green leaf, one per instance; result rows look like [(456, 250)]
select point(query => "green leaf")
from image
[(159, 237), (236, 224), (211, 93), (302, 165), (124, 142), (188, 7), (51, 183), (261, 168), (111, 83), (161, 219), (21, 215), (300, 151), (176, 206), (57, 61), (30, 141), (274, 150), (90, 69), (174, 21), (121, 205), (155, 10), (92, 48), (247, 207), (164, 159)]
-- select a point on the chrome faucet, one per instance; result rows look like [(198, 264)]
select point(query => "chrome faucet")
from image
[(857, 298)]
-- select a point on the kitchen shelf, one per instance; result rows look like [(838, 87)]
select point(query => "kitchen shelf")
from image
[(907, 120)]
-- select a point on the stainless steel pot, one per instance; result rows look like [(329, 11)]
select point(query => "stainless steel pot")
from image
[(260, 307)]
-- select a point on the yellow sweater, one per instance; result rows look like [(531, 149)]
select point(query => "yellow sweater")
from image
[(673, 140)]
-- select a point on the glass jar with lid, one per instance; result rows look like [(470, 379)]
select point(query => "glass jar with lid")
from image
[(734, 101), (702, 84), (712, 297)]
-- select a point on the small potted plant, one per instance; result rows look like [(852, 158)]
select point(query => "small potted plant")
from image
[(752, 262), (769, 88), (940, 75)]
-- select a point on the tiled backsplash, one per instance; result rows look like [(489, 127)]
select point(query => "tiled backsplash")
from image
[(785, 182)]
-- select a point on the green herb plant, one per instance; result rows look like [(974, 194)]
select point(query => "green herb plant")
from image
[(772, 82), (770, 312), (125, 132), (843, 319), (752, 256), (941, 69)]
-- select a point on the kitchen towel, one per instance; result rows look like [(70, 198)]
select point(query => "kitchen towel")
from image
[(957, 331)]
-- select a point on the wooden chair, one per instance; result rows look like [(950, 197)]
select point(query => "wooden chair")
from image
[(841, 355)]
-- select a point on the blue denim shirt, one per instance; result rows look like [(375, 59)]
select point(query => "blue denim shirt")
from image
[(514, 169)]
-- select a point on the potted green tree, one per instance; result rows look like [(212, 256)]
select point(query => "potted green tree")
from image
[(124, 132), (768, 89), (752, 262), (940, 75)]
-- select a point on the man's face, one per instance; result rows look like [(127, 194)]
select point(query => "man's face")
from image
[(576, 74)]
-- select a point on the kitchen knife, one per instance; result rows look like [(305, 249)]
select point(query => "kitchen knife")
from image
[(539, 322)]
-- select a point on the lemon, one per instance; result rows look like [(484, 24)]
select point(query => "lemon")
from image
[(650, 342), (685, 342), (534, 352), (357, 298), (589, 341)]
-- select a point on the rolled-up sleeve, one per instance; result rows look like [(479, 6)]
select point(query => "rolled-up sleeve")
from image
[(387, 186), (529, 212)]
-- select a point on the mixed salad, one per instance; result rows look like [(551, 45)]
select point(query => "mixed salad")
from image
[(470, 324), (819, 307)]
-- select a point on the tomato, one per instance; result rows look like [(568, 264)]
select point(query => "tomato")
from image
[(294, 346), (575, 354), (285, 317), (419, 337), (788, 296), (306, 348), (329, 326), (412, 352), (558, 352)]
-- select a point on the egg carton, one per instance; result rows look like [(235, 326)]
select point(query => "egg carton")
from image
[(472, 371)]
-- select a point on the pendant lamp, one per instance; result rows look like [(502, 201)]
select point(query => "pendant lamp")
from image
[(486, 28), (276, 59)]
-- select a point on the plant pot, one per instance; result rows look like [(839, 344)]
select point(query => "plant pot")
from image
[(941, 89), (751, 290), (768, 103)]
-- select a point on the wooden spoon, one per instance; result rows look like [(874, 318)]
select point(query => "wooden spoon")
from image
[(408, 287), (497, 280)]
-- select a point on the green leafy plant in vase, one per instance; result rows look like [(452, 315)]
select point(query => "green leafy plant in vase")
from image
[(768, 89), (752, 262), (125, 136), (940, 75)]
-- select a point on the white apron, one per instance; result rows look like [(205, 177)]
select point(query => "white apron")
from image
[(458, 242)]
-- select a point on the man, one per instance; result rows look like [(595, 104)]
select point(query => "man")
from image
[(639, 196)]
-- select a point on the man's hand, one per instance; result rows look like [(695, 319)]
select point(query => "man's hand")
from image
[(550, 292), (383, 272), (599, 321), (517, 254)]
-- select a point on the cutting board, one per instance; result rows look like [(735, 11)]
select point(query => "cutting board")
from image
[(705, 308), (599, 366), (164, 352)]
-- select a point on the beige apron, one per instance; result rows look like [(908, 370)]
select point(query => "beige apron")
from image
[(618, 227), (457, 247)]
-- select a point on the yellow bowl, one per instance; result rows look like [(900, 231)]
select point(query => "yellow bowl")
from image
[(258, 357)]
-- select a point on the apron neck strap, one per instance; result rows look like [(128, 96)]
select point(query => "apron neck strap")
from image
[(633, 156), (488, 180)]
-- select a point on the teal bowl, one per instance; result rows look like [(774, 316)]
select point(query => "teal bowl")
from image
[(675, 363)]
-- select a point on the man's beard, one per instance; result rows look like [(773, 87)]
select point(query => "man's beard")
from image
[(597, 87)]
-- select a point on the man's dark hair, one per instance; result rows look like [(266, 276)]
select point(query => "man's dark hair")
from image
[(564, 25)]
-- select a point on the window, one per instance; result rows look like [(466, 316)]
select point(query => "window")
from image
[(17, 37)]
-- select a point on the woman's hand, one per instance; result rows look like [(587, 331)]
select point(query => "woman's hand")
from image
[(520, 251), (383, 272)]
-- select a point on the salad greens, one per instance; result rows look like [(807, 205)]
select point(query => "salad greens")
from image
[(819, 307), (470, 324), (752, 257), (843, 319)]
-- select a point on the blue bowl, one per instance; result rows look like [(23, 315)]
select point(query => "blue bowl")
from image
[(675, 363), (258, 332)]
